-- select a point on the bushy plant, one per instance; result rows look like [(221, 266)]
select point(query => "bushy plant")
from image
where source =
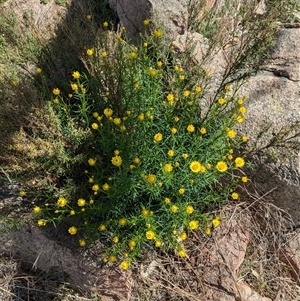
[(156, 155)]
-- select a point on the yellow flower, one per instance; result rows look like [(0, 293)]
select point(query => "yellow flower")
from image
[(167, 201), (95, 187), (189, 209), (198, 89), (186, 93), (216, 222), (61, 202), (105, 24), (41, 222), (203, 130), (173, 130), (81, 202), (108, 112), (136, 160), (245, 138), (177, 164), (122, 221), (95, 126), (158, 137), (181, 77), (170, 153), (105, 187), (38, 70), (158, 244), (145, 212), (133, 55), (56, 91), (131, 244), (115, 239), (240, 119), (235, 195), (181, 190), (185, 156), (159, 63), (116, 161), (72, 212), (231, 134), (239, 162), (242, 110), (221, 166), (82, 242), (151, 178), (174, 208), (227, 88), (195, 166), (92, 162), (124, 265), (170, 98), (89, 17), (182, 253), (153, 72), (102, 227), (117, 121), (190, 128), (36, 209), (22, 193), (76, 74), (193, 225), (168, 167), (207, 231), (240, 101), (158, 33), (116, 152), (72, 230), (146, 22), (90, 51), (141, 117), (150, 235), (183, 236), (112, 258), (244, 179), (74, 87), (176, 118)]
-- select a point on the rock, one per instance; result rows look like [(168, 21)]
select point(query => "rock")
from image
[(285, 56), (33, 247), (247, 294), (132, 13), (225, 256), (42, 17)]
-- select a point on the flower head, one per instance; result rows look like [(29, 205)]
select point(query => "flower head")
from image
[(36, 209), (150, 234), (158, 33), (76, 75), (92, 162), (195, 166), (158, 137), (61, 202), (239, 162), (124, 265), (174, 208), (72, 230), (41, 222), (190, 128), (105, 187), (81, 202), (235, 195), (90, 51), (189, 209), (108, 112), (168, 167), (193, 225), (216, 222), (82, 242), (221, 166), (56, 91), (231, 134), (116, 161), (151, 178)]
